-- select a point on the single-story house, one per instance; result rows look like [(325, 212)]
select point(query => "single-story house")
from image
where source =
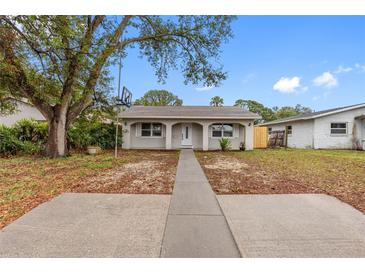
[(337, 128), (197, 127), (24, 110)]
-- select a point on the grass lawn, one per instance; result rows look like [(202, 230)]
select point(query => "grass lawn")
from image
[(340, 173), (27, 181)]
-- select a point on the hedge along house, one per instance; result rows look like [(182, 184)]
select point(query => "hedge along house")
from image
[(197, 127), (338, 128)]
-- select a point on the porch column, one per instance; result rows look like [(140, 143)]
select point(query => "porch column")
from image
[(249, 136), (168, 136), (126, 136), (205, 137)]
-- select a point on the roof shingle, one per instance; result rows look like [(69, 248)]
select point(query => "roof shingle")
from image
[(206, 112)]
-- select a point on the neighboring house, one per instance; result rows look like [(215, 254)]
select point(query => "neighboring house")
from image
[(197, 127), (24, 110), (338, 128)]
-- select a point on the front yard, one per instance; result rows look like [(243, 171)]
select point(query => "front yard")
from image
[(334, 172), (26, 182)]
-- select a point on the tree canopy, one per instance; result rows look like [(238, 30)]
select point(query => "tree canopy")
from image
[(266, 113), (60, 63), (270, 114), (217, 101), (159, 98)]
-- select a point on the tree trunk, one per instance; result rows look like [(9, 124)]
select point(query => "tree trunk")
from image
[(57, 141)]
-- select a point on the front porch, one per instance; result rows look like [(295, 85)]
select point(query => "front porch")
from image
[(199, 135)]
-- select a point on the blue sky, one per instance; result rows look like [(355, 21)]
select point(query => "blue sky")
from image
[(316, 61)]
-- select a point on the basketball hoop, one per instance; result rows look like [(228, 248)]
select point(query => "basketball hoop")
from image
[(125, 99)]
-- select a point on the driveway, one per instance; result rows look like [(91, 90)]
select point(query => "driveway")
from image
[(89, 225), (294, 225)]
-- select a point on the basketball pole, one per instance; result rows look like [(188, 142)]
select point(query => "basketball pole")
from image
[(117, 125)]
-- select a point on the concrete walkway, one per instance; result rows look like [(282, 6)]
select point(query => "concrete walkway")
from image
[(196, 226), (294, 226), (89, 225)]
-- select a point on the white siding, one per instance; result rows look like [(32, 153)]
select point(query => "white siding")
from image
[(322, 132), (242, 133), (316, 133), (146, 142), (302, 133), (238, 137), (24, 111)]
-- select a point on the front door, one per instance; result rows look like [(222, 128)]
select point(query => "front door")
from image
[(186, 132)]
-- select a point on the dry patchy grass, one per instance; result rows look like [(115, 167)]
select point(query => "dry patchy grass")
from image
[(340, 173), (25, 182)]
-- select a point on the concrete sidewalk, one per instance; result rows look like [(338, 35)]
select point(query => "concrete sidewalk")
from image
[(196, 226), (294, 226), (89, 225)]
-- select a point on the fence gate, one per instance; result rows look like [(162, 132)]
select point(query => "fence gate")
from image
[(260, 137)]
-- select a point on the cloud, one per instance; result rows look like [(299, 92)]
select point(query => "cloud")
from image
[(205, 88), (287, 85), (360, 67), (326, 80), (341, 69), (248, 77)]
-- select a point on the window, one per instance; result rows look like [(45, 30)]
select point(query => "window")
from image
[(290, 130), (151, 129), (222, 130), (269, 130), (338, 128), (228, 130)]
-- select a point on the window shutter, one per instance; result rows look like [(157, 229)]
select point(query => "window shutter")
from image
[(138, 130), (209, 131), (236, 130)]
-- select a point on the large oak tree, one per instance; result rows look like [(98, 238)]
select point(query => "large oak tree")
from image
[(159, 98), (59, 62)]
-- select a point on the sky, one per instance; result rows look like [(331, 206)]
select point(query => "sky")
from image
[(315, 61)]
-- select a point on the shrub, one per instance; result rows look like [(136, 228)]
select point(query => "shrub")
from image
[(29, 136), (225, 144), (31, 130), (22, 138), (85, 133), (9, 144)]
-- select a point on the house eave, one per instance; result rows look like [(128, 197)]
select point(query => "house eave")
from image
[(189, 117)]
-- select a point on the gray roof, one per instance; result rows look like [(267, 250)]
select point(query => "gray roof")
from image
[(312, 115), (181, 112)]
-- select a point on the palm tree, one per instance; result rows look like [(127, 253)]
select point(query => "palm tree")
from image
[(216, 101)]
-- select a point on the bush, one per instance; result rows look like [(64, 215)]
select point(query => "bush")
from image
[(225, 144), (9, 144), (29, 136), (21, 138), (86, 133), (31, 130)]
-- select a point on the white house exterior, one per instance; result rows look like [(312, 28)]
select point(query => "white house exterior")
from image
[(338, 128), (197, 127), (24, 110)]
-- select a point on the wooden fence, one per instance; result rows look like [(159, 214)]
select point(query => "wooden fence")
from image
[(260, 137)]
